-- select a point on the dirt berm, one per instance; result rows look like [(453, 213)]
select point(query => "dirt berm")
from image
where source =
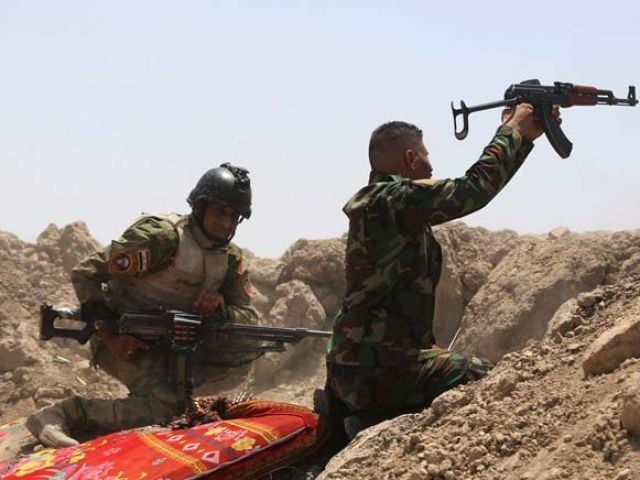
[(559, 312)]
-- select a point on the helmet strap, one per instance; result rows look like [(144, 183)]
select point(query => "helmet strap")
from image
[(216, 242)]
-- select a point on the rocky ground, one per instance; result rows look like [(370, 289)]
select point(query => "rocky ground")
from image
[(560, 313), (564, 407)]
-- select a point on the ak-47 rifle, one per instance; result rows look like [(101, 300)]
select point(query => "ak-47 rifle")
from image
[(543, 98), (179, 332)]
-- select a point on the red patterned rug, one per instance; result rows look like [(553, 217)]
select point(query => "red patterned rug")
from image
[(254, 438)]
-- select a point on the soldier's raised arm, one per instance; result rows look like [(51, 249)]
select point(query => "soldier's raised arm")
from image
[(427, 200)]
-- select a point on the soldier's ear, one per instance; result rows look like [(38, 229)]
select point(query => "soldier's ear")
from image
[(409, 160)]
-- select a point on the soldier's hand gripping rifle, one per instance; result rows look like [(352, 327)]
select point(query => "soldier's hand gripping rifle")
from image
[(543, 97), (178, 332)]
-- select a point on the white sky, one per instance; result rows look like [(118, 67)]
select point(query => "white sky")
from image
[(111, 108)]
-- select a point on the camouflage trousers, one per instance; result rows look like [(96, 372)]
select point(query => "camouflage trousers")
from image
[(152, 398), (404, 388)]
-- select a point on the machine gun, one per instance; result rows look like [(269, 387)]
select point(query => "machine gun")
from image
[(170, 327), (178, 332), (543, 97)]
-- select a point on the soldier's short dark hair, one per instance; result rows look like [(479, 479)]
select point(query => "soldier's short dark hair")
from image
[(393, 135)]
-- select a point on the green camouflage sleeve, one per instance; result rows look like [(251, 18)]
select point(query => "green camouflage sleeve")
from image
[(237, 290), (147, 246), (438, 201), (88, 276)]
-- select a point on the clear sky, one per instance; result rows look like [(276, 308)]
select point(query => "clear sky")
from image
[(112, 108)]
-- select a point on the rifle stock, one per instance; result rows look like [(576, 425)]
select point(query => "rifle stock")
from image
[(48, 329)]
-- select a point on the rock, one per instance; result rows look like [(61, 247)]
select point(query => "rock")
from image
[(631, 266), (75, 244), (449, 302), (265, 271), (67, 246), (477, 452), (449, 400), (586, 300), (49, 242), (315, 261), (12, 317), (564, 319), (613, 347), (506, 382), (469, 254), (319, 264), (17, 347), (630, 416), (531, 283), (11, 243), (624, 474), (296, 306), (558, 232), (12, 356)]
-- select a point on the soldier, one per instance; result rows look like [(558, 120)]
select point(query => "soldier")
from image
[(182, 262), (382, 359)]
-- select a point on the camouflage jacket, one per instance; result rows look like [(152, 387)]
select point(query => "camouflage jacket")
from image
[(393, 261), (165, 259)]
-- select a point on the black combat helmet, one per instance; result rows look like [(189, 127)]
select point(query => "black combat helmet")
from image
[(227, 184)]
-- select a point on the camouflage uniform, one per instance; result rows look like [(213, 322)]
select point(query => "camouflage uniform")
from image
[(382, 356), (159, 260)]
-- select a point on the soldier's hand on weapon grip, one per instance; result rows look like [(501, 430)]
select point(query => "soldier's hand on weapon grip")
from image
[(208, 301), (124, 347), (555, 111), (522, 118)]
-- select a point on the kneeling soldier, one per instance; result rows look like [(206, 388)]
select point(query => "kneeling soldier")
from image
[(182, 262)]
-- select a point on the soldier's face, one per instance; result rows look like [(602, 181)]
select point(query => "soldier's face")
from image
[(220, 219), (416, 163)]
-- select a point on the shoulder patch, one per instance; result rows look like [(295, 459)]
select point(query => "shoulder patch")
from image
[(149, 245), (128, 260)]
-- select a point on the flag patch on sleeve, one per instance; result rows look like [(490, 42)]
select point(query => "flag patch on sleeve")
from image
[(129, 261)]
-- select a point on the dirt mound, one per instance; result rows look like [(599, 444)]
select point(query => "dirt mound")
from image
[(34, 373), (560, 311), (531, 283), (537, 416), (470, 255)]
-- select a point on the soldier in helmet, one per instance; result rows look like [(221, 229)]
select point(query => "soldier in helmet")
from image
[(183, 262)]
